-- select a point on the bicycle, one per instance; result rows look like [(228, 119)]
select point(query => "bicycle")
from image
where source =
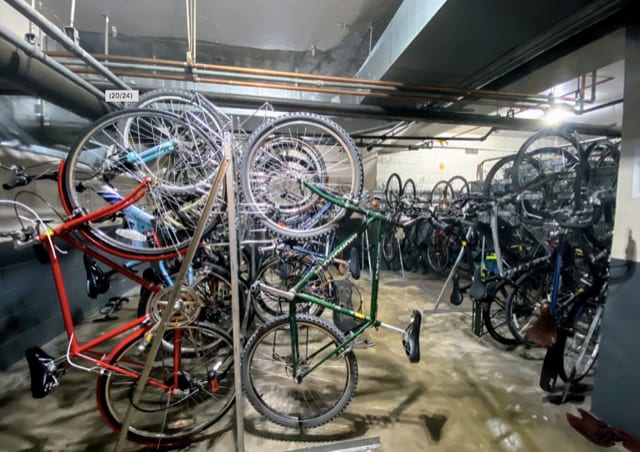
[(298, 370), (191, 382)]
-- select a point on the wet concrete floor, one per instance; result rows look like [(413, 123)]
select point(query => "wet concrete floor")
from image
[(466, 394)]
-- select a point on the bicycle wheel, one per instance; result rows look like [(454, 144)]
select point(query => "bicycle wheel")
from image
[(284, 273), (494, 315), (269, 381), (409, 192), (554, 183), (189, 106), (393, 191), (460, 187), (203, 386), (438, 251), (524, 302), (442, 194), (283, 153), (582, 344), (106, 163), (389, 246)]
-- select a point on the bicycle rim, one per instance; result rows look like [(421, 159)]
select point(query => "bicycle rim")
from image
[(105, 164), (266, 373), (197, 403), (393, 191), (293, 148)]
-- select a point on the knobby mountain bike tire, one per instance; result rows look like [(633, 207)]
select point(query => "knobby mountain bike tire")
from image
[(273, 391), (115, 154), (201, 399), (283, 153)]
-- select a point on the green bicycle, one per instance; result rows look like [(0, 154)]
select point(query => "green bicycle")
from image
[(299, 370)]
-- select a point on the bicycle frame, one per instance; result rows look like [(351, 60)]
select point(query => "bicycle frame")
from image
[(294, 294), (86, 351)]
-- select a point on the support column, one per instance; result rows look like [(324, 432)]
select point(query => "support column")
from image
[(616, 397)]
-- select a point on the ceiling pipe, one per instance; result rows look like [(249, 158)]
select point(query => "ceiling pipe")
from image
[(320, 80), (178, 74), (415, 137), (50, 29), (387, 113), (25, 66)]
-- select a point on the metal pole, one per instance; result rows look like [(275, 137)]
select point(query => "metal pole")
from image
[(72, 13), (34, 52), (30, 13), (235, 291), (173, 296), (106, 34)]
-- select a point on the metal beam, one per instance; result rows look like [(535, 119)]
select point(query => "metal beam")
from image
[(372, 111), (408, 22), (50, 29)]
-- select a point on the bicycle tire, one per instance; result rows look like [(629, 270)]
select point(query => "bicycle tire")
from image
[(442, 194), (274, 393), (494, 316), (438, 253), (459, 186), (574, 342), (103, 159), (393, 191), (159, 420), (554, 184), (281, 154), (389, 245), (409, 192), (524, 301), (178, 101), (284, 274)]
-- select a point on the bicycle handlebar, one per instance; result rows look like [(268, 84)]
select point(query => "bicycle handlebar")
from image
[(22, 179)]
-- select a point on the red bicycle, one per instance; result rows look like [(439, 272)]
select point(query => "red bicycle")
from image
[(190, 386)]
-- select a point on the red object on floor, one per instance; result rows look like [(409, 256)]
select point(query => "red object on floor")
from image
[(601, 433)]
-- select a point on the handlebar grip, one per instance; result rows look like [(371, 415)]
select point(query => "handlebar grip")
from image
[(440, 224), (18, 181)]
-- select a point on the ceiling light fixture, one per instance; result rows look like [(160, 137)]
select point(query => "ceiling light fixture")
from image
[(558, 114)]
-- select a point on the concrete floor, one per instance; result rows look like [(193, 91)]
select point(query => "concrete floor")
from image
[(467, 393)]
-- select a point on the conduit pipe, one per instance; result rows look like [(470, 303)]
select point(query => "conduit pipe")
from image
[(50, 29), (25, 66)]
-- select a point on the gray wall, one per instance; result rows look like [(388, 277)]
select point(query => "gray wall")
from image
[(616, 397), (29, 309)]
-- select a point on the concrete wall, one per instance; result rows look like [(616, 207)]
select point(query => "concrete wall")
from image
[(616, 397), (445, 160)]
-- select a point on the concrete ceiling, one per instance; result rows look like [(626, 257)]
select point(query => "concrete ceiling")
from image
[(525, 46)]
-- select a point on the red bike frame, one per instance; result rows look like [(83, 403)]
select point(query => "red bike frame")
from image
[(140, 326)]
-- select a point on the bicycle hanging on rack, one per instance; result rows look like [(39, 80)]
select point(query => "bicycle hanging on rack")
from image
[(298, 370)]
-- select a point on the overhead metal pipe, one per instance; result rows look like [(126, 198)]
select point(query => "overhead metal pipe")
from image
[(27, 67), (417, 137), (318, 79), (50, 29)]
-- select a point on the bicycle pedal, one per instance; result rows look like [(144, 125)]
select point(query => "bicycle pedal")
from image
[(42, 370)]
